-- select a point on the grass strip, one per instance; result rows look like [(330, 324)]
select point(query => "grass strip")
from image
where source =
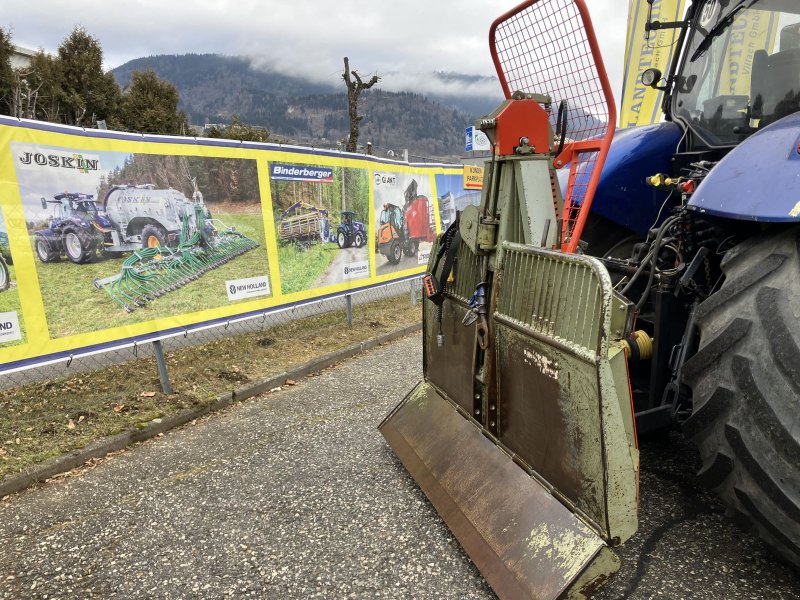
[(43, 420)]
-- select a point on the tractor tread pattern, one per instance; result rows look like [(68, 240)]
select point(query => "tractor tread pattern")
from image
[(783, 346), (717, 347), (753, 511), (765, 480), (714, 473), (742, 283), (764, 416), (705, 415), (745, 393)]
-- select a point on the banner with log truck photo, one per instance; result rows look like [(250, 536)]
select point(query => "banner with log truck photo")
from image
[(106, 238)]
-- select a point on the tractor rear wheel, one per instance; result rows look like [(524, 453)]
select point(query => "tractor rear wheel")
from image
[(342, 240), (74, 246), (746, 389), (5, 277), (43, 250)]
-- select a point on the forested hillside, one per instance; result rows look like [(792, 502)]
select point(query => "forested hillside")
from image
[(213, 88)]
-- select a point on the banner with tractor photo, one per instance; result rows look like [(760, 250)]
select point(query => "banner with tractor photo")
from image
[(108, 238)]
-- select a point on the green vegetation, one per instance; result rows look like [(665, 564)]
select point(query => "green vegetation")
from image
[(301, 268), (239, 130), (151, 104), (71, 87), (43, 420), (73, 305), (222, 180)]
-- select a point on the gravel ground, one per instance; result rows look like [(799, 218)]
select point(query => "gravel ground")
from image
[(296, 495)]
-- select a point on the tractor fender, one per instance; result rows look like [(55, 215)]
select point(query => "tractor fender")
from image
[(622, 195), (53, 239), (757, 180)]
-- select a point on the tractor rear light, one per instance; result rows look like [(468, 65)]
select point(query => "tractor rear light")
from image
[(687, 187)]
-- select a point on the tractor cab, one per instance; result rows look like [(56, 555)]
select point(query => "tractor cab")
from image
[(739, 72), (392, 215), (69, 205)]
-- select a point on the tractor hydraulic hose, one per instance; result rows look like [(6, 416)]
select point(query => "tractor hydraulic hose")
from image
[(654, 258), (645, 261)]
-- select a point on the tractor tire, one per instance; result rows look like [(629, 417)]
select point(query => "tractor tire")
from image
[(359, 240), (410, 249), (342, 240), (395, 253), (43, 250), (5, 276), (75, 249), (746, 389), (153, 236)]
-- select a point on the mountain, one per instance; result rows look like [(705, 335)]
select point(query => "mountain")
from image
[(214, 87)]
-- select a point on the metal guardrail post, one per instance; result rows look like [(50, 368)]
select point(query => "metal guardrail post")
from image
[(163, 374), (349, 302)]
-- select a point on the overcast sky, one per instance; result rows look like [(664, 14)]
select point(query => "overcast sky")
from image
[(401, 40)]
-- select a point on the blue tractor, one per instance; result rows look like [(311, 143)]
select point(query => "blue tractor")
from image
[(350, 232), (76, 228), (553, 319), (696, 219)]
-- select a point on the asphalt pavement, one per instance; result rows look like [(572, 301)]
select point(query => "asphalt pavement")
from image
[(296, 495)]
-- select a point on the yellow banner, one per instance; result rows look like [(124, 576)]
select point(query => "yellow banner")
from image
[(751, 31), (108, 238), (641, 105)]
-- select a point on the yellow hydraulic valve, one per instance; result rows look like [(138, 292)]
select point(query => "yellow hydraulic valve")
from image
[(638, 346), (661, 180)]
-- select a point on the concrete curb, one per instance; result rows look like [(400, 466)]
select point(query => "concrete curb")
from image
[(67, 462)]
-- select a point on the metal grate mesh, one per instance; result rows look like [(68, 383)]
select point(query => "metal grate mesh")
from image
[(544, 48), (467, 271), (554, 296), (548, 47)]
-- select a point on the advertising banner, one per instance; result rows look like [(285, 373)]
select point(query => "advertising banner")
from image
[(754, 30), (641, 105), (108, 238)]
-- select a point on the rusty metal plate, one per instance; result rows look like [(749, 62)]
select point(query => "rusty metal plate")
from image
[(557, 430), (525, 543), (451, 367)]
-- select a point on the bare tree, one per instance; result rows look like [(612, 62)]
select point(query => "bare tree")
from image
[(25, 97), (354, 89)]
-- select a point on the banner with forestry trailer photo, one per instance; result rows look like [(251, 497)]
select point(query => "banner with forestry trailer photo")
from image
[(108, 238), (321, 218)]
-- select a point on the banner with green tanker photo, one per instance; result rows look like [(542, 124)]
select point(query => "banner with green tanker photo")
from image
[(107, 238)]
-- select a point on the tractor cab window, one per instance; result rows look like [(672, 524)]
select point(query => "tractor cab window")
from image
[(388, 216), (88, 207), (742, 69)]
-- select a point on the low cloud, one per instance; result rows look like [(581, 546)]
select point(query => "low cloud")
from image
[(403, 43)]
